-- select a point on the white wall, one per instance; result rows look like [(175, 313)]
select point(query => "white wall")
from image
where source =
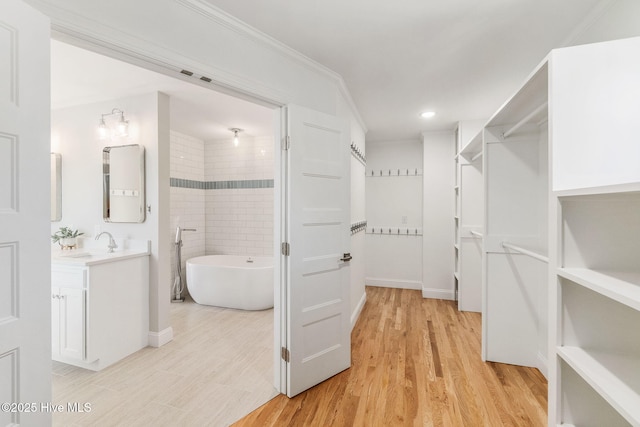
[(188, 35), (74, 136), (236, 57), (439, 200), (394, 202), (358, 294)]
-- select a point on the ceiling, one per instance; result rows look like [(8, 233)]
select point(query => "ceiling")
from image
[(459, 58)]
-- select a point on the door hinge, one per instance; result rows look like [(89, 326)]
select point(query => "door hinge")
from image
[(285, 354), (285, 248), (286, 142)]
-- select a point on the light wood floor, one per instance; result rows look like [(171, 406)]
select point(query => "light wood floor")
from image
[(218, 368), (415, 362)]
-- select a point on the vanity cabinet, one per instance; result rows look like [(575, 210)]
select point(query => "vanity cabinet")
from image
[(68, 322), (99, 309)]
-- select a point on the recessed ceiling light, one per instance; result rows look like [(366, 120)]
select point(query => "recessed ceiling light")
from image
[(427, 114)]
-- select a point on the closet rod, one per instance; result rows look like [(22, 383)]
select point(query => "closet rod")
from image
[(473, 159), (525, 120), (475, 233), (525, 252)]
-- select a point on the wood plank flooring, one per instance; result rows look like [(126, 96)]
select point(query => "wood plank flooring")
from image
[(415, 362)]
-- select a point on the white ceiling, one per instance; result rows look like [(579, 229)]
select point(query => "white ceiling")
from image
[(80, 77), (459, 58)]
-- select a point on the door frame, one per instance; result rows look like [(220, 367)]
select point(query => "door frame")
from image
[(154, 61)]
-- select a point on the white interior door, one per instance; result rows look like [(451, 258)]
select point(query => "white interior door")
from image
[(318, 228), (25, 271)]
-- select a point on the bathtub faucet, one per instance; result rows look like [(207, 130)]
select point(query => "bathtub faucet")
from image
[(178, 286), (179, 231)]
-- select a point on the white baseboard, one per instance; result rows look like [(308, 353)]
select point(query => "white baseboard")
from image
[(391, 283), (438, 294), (356, 313), (158, 339), (542, 365)]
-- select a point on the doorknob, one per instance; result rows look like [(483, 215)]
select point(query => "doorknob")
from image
[(346, 257)]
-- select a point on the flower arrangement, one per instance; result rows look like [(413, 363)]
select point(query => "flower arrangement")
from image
[(66, 237)]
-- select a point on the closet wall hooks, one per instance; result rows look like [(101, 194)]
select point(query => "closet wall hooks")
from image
[(394, 172), (357, 153), (357, 227), (394, 231)]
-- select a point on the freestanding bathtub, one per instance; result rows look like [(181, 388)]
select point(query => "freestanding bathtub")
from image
[(232, 281)]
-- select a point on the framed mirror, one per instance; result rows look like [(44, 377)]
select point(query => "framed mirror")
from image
[(123, 197), (56, 187)]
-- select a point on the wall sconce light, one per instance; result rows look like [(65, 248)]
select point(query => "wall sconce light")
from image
[(235, 136), (121, 128)]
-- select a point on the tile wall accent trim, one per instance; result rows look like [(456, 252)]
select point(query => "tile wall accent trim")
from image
[(220, 185)]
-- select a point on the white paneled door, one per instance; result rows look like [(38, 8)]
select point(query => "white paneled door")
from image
[(318, 231), (25, 271)]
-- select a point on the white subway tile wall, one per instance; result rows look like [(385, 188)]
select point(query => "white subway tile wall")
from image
[(236, 219), (240, 220), (187, 204)]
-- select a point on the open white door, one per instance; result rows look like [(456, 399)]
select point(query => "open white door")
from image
[(318, 228), (25, 271)]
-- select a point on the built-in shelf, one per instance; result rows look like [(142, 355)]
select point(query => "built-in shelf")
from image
[(476, 156), (516, 210), (473, 149), (537, 116), (633, 187), (623, 287), (614, 377)]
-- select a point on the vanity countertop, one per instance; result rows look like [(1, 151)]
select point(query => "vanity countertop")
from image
[(80, 257), (94, 255)]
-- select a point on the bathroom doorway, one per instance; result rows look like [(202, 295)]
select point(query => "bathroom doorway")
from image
[(222, 190)]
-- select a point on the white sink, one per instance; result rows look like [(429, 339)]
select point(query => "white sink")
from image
[(75, 254)]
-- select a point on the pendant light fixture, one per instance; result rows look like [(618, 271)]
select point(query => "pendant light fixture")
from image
[(235, 131)]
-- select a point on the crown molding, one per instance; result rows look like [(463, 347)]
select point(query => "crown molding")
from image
[(232, 23), (598, 11)]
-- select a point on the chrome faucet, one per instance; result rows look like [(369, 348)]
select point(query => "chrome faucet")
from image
[(112, 243)]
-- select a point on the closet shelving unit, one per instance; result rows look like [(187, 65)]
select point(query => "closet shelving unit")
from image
[(456, 216), (594, 274), (469, 222), (515, 254)]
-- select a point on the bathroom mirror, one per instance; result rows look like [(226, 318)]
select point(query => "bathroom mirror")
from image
[(56, 187), (123, 183)]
